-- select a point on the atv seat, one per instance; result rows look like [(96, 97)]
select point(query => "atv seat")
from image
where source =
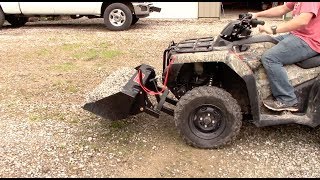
[(310, 63)]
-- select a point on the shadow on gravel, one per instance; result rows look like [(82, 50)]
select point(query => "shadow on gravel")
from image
[(281, 133), (135, 129), (163, 130), (86, 26)]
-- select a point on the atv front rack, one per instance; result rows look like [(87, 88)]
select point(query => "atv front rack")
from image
[(194, 45), (204, 44)]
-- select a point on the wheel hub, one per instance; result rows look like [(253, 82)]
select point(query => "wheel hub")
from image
[(117, 17), (207, 118)]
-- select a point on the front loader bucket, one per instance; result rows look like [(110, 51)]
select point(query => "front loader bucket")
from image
[(120, 94)]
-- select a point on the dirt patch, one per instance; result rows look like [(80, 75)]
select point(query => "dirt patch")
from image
[(48, 68)]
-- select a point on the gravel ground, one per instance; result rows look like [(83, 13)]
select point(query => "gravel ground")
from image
[(47, 70)]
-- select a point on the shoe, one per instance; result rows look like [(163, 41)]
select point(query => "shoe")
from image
[(279, 106)]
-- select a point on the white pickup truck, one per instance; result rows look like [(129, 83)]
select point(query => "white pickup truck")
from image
[(117, 15)]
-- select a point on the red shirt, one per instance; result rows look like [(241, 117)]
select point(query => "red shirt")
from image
[(311, 32)]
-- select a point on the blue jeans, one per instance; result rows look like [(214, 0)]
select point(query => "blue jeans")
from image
[(290, 49)]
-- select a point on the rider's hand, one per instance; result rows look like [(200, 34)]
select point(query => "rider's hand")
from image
[(264, 29), (254, 15)]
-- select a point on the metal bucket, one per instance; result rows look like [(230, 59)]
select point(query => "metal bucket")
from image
[(120, 94)]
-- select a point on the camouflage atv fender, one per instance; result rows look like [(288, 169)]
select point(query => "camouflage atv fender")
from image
[(236, 62), (228, 57)]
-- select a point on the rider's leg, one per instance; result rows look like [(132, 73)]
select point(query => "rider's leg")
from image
[(291, 49)]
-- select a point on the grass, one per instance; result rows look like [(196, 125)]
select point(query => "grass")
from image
[(43, 52), (58, 116), (37, 53), (67, 66), (72, 88), (52, 39), (70, 47), (93, 54), (104, 45), (98, 52), (88, 55), (66, 85), (34, 117), (118, 124), (44, 114), (74, 121), (78, 51), (62, 146), (110, 54), (89, 52)]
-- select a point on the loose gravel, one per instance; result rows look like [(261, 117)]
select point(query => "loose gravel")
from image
[(112, 84), (47, 71)]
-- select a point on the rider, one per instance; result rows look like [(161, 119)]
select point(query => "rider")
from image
[(302, 42)]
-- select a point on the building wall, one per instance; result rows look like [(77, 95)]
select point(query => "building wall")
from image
[(209, 9), (176, 10)]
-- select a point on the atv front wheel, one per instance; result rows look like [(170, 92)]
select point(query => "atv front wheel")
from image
[(208, 117)]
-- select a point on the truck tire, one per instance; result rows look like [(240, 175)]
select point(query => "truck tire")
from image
[(16, 21), (2, 17), (208, 117), (135, 19), (117, 17)]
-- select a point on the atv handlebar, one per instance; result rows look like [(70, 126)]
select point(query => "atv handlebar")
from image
[(247, 18), (240, 28), (255, 22)]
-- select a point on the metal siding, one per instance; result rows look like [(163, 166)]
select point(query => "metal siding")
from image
[(209, 9)]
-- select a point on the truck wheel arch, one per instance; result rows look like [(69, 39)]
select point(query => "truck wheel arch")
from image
[(17, 21), (106, 4)]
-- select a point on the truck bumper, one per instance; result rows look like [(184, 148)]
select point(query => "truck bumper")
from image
[(155, 9), (144, 9)]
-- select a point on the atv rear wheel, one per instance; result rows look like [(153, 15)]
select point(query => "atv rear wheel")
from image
[(208, 117)]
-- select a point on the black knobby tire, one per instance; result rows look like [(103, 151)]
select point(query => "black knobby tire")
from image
[(2, 17), (199, 129), (121, 11), (135, 19), (16, 21)]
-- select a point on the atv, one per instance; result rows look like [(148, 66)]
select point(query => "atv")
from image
[(210, 85)]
